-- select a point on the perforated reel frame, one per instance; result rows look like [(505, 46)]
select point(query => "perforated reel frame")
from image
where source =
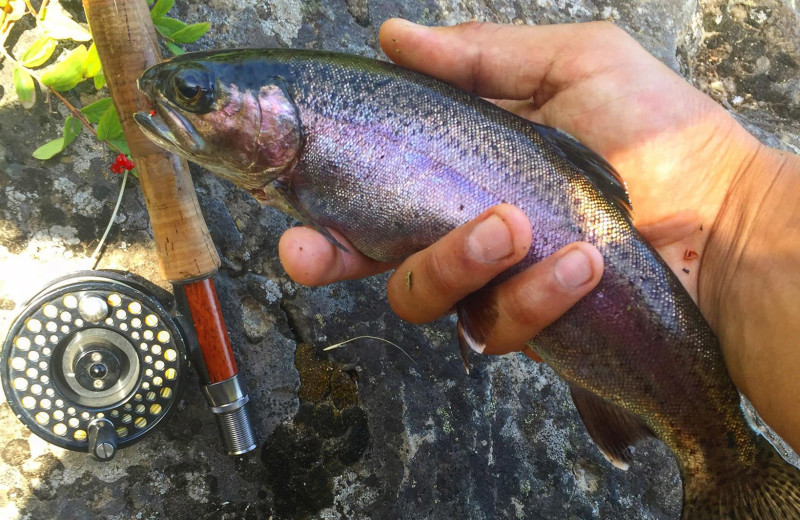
[(93, 345)]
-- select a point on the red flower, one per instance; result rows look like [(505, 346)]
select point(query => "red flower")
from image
[(121, 162)]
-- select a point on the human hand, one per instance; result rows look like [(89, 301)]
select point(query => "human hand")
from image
[(459, 264), (598, 84), (696, 179)]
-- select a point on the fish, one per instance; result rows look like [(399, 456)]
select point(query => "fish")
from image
[(393, 160)]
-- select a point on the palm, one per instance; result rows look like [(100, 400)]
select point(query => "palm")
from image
[(650, 124), (669, 142), (699, 184)]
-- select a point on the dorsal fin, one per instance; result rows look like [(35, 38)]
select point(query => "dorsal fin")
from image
[(597, 170), (613, 429)]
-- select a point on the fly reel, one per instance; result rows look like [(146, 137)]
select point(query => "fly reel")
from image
[(94, 362)]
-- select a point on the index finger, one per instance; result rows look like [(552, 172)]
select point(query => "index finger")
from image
[(506, 61), (310, 259)]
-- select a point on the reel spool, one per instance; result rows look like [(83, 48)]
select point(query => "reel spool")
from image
[(94, 362)]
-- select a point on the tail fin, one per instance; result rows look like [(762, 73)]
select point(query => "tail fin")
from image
[(770, 492)]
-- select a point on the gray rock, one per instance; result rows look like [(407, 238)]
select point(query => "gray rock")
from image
[(363, 431)]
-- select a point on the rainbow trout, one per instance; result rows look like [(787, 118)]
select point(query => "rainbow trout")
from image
[(393, 160)]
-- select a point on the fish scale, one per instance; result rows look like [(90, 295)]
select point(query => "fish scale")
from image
[(393, 160)]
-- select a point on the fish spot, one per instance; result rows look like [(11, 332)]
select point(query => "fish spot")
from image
[(733, 444)]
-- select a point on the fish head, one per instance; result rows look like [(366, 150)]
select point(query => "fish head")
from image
[(217, 111)]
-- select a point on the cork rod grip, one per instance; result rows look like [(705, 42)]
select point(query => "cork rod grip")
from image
[(127, 45)]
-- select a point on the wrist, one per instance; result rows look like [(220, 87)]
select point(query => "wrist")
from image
[(749, 286)]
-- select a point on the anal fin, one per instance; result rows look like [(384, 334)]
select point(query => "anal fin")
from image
[(613, 429), (463, 346), (476, 318)]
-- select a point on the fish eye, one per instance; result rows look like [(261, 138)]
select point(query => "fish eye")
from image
[(193, 89)]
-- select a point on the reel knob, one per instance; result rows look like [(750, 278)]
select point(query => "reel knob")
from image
[(102, 439), (94, 362)]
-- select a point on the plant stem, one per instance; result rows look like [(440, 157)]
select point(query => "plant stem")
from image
[(74, 111), (31, 9), (43, 8), (77, 113), (95, 258)]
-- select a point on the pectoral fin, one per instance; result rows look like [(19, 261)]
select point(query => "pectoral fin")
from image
[(296, 210), (613, 429)]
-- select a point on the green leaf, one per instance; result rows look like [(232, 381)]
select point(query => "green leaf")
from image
[(122, 144), (99, 81), (174, 49), (168, 26), (109, 127), (58, 24), (92, 66), (150, 2), (26, 89), (39, 52), (49, 149), (72, 128), (68, 73), (190, 33), (94, 111), (161, 8)]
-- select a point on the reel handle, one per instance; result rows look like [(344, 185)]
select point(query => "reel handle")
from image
[(102, 440)]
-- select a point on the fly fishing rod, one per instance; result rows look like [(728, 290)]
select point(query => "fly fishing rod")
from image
[(127, 44)]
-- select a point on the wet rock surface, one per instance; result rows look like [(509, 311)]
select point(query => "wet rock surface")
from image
[(362, 431)]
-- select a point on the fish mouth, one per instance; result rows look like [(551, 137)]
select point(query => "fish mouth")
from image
[(168, 128)]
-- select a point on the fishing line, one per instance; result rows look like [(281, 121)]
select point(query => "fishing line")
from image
[(95, 258), (395, 345)]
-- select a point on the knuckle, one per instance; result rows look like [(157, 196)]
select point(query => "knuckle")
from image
[(410, 306), (524, 308), (443, 275), (609, 34), (398, 301), (405, 306), (474, 28), (607, 28), (398, 305)]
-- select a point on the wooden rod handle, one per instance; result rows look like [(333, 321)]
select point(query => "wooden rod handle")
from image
[(210, 327), (127, 45)]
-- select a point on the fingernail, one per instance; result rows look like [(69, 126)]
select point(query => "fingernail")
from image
[(573, 269), (490, 241)]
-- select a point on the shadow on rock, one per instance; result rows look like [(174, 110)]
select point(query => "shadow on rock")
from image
[(329, 433)]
